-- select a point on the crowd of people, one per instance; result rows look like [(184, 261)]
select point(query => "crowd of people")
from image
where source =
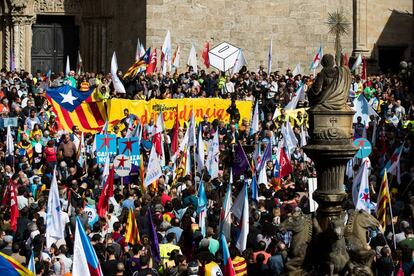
[(41, 145)]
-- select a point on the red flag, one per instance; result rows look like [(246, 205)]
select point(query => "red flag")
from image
[(156, 141), (345, 60), (364, 69), (285, 166), (205, 55), (107, 192), (174, 140), (10, 197), (153, 62)]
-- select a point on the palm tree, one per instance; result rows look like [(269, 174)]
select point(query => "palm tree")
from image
[(338, 26)]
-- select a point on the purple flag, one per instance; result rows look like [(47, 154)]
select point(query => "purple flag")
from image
[(155, 248), (240, 162)]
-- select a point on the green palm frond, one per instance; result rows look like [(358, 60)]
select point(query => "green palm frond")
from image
[(337, 23)]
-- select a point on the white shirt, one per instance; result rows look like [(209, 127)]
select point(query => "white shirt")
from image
[(22, 202)]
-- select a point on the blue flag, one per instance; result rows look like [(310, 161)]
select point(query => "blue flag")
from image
[(267, 156), (255, 190), (67, 96), (202, 198)]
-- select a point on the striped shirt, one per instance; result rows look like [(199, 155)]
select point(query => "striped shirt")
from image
[(240, 266)]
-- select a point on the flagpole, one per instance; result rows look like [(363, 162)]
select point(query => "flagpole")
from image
[(392, 223)]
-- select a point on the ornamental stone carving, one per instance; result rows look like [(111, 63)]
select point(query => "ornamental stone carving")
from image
[(57, 6), (18, 6)]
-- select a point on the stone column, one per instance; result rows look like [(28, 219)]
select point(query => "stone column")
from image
[(330, 148), (14, 59), (6, 42), (360, 27), (22, 41), (26, 26)]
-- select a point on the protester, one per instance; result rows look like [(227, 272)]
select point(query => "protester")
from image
[(180, 216)]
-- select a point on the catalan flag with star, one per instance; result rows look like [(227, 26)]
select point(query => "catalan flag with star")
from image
[(383, 202), (139, 66), (11, 267), (71, 109)]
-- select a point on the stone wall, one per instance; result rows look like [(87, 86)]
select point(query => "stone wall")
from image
[(297, 27), (390, 25)]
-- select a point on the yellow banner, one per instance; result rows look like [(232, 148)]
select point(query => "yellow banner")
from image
[(147, 110)]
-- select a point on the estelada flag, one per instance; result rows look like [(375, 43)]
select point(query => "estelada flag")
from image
[(10, 266), (131, 233), (71, 109)]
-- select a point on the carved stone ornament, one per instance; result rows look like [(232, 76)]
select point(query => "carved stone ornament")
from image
[(18, 6), (57, 6)]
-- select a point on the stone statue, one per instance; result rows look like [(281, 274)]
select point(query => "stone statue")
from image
[(328, 249), (359, 250), (331, 87), (301, 226)]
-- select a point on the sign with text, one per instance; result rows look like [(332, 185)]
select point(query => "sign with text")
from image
[(105, 145), (130, 148)]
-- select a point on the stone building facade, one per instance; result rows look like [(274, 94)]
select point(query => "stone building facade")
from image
[(38, 34)]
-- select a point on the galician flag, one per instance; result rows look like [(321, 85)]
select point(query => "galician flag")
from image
[(317, 59), (54, 225), (85, 261), (362, 200), (213, 157)]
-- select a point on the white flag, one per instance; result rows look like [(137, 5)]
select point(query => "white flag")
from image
[(303, 136), (166, 54), (239, 63), (154, 168), (244, 223), (54, 224), (192, 128), (299, 95), (138, 52), (9, 143), (67, 69), (118, 86), (357, 62), (184, 143), (255, 119), (79, 64), (176, 58), (225, 216), (297, 70), (362, 199), (270, 58), (289, 137), (192, 59), (159, 126), (200, 152), (213, 157)]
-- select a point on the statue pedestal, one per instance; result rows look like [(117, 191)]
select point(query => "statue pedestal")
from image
[(330, 147)]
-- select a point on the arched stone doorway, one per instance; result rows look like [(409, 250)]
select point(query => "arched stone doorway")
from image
[(87, 22)]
